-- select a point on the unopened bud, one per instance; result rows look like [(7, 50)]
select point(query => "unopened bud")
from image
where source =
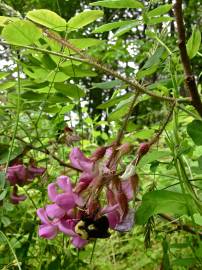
[(143, 149)]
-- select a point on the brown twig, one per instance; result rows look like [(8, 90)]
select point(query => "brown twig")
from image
[(29, 146), (189, 77), (180, 226), (133, 84)]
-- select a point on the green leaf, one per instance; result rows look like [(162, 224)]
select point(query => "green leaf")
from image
[(47, 18), (83, 43), (126, 28), (106, 85), (193, 43), (3, 194), (162, 201), (110, 26), (70, 90), (120, 110), (118, 4), (4, 74), (5, 20), (7, 85), (21, 33), (152, 156), (82, 71), (114, 101), (2, 179), (155, 20), (84, 18), (198, 219), (42, 75), (160, 10), (194, 129), (146, 72)]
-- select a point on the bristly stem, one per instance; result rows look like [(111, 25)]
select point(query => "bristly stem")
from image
[(189, 77)]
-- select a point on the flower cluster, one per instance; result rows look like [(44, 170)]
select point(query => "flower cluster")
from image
[(82, 201), (21, 175)]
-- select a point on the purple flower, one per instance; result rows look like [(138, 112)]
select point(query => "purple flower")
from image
[(66, 200), (16, 198), (19, 174), (49, 228), (79, 161)]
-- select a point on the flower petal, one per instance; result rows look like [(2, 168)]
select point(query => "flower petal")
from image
[(54, 211), (41, 212), (108, 208), (15, 199), (127, 189), (64, 183), (127, 223), (17, 174), (79, 242), (52, 192), (67, 227), (65, 200), (34, 171), (47, 231), (79, 161), (113, 218)]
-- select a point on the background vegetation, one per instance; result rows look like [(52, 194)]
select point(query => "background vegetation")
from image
[(75, 86)]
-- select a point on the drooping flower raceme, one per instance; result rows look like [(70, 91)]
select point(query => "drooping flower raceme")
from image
[(76, 210), (20, 175)]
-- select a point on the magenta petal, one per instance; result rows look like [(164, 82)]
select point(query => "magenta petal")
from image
[(15, 199), (127, 223), (17, 174), (64, 183), (67, 227), (79, 242), (34, 171), (78, 200), (41, 212), (79, 161), (54, 211), (47, 231), (113, 218), (65, 200), (52, 192), (108, 209), (127, 189)]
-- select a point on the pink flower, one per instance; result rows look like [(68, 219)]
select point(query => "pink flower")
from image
[(49, 228), (20, 175), (66, 200)]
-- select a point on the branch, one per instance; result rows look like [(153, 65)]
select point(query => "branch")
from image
[(180, 226), (29, 146), (133, 84), (189, 77), (99, 66)]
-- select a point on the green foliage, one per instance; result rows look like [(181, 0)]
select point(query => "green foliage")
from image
[(21, 33), (84, 18), (194, 129), (118, 4), (69, 81), (47, 18)]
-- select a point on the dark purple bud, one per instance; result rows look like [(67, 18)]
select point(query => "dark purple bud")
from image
[(17, 174)]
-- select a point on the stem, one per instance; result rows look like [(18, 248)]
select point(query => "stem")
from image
[(107, 70), (17, 118), (12, 250), (189, 77)]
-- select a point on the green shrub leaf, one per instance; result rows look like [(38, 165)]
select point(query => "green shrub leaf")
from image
[(118, 4), (84, 18), (21, 33), (47, 18)]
